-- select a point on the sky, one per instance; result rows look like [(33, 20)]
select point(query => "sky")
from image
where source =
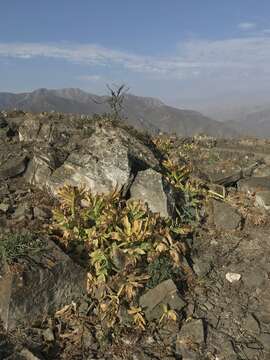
[(182, 51)]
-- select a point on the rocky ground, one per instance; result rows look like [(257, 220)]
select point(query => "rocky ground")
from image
[(220, 310)]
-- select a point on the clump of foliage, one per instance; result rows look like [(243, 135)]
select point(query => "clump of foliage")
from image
[(194, 191), (123, 240), (179, 174), (161, 269), (16, 246)]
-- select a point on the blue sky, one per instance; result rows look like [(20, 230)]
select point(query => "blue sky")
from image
[(178, 50)]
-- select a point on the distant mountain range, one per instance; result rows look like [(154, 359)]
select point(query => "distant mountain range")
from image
[(247, 115), (142, 112), (255, 122)]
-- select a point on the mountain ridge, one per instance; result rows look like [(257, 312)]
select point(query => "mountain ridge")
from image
[(144, 113)]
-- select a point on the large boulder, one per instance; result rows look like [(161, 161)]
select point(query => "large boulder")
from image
[(43, 284), (101, 164), (150, 187), (103, 159)]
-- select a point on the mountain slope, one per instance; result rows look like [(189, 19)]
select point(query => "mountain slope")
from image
[(142, 112)]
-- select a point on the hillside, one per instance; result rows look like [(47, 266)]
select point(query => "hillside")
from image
[(141, 112), (119, 245)]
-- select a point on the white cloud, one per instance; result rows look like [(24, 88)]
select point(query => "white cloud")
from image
[(228, 58), (92, 78), (247, 26)]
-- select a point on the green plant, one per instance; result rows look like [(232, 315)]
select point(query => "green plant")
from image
[(15, 246), (194, 192), (168, 314), (161, 269), (121, 239), (138, 317)]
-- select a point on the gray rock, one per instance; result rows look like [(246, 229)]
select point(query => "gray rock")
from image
[(262, 199), (101, 164), (254, 185), (35, 128), (21, 212), (13, 167), (42, 213), (163, 294), (4, 207), (49, 281), (226, 179), (224, 216), (218, 189), (201, 266), (251, 325), (194, 330), (28, 355), (103, 161), (190, 340), (48, 335), (148, 187), (262, 171), (41, 166), (265, 341), (100, 159)]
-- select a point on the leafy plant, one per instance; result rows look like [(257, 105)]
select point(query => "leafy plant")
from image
[(121, 239), (161, 269), (15, 246), (138, 317), (168, 314)]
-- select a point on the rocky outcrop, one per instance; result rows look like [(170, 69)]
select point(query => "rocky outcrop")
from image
[(43, 284), (215, 303), (98, 156)]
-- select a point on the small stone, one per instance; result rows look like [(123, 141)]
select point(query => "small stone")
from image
[(15, 166), (201, 266), (28, 355), (233, 277), (4, 207), (218, 189), (225, 216), (190, 340), (265, 340), (254, 185), (251, 324), (48, 335), (262, 199), (22, 211), (41, 213), (163, 294), (193, 329)]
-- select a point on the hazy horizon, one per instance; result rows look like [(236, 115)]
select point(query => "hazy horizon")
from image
[(185, 53)]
